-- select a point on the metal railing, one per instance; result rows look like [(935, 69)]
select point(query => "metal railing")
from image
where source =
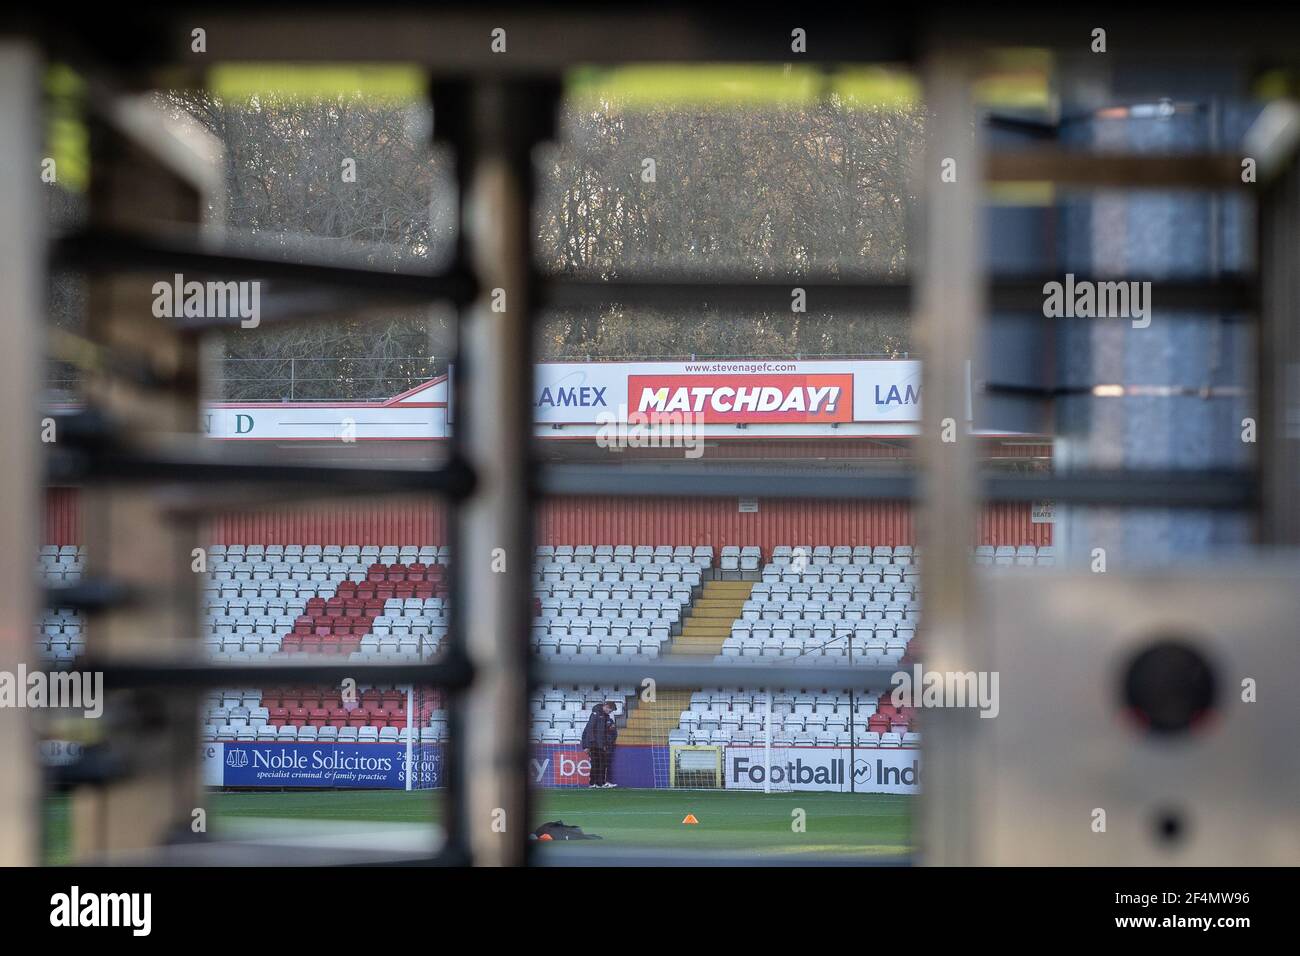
[(492, 117)]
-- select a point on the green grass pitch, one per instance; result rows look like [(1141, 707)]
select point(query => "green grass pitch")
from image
[(877, 825)]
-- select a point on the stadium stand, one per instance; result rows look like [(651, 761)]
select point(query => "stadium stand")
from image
[(808, 604), (819, 605), (61, 638), (373, 603), (613, 600), (800, 718), (368, 603)]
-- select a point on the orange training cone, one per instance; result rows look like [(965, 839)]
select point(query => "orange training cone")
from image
[(546, 836), (690, 818)]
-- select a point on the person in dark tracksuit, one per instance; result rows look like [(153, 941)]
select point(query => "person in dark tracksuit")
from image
[(598, 739)]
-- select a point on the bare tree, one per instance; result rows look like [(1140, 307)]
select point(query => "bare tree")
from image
[(818, 190)]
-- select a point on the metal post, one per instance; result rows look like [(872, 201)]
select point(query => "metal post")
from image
[(140, 179), (767, 743), (853, 730), (495, 561), (410, 725), (21, 363), (1278, 353), (948, 317)]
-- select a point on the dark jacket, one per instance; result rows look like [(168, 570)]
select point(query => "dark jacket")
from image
[(600, 731)]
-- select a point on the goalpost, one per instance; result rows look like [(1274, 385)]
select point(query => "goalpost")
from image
[(426, 728), (725, 739), (761, 764), (423, 751), (695, 766)]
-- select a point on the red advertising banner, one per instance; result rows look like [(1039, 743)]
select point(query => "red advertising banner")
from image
[(753, 399)]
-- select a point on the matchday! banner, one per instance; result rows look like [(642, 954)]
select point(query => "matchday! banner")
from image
[(575, 399), (753, 393), (752, 399)]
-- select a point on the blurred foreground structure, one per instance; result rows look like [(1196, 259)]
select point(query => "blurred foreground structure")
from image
[(1142, 158)]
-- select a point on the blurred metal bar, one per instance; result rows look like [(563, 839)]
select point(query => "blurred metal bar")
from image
[(1102, 170), (208, 465), (453, 672), (156, 672), (686, 480), (1278, 422), (495, 424), (853, 296), (948, 320), (686, 675), (21, 321), (92, 595), (452, 131), (1136, 488), (100, 251), (823, 293), (1180, 299), (138, 180), (457, 41)]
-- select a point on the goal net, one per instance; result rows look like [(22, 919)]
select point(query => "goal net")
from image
[(724, 738), (769, 740)]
